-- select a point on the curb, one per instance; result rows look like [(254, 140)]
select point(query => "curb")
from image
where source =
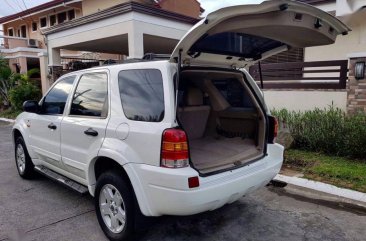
[(324, 188), (7, 120)]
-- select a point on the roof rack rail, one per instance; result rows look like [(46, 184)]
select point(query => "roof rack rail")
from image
[(152, 56)]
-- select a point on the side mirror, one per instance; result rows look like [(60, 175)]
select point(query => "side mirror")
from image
[(31, 106)]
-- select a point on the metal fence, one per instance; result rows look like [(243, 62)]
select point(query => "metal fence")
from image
[(303, 75), (73, 64)]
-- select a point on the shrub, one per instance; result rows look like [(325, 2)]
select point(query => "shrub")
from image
[(7, 82), (24, 91), (330, 131)]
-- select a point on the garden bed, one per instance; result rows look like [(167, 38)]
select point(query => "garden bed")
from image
[(9, 113), (338, 171)]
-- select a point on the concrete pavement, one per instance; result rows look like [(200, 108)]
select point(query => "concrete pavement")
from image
[(43, 210)]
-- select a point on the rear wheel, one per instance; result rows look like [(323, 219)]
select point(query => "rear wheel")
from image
[(114, 206), (23, 161)]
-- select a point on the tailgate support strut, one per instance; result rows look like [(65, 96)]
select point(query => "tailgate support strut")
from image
[(177, 79), (260, 74)]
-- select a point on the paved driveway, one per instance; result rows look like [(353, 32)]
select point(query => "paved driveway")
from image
[(44, 210)]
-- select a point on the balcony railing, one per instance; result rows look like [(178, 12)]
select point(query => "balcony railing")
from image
[(11, 43)]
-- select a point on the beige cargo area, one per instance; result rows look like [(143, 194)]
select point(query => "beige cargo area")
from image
[(221, 134)]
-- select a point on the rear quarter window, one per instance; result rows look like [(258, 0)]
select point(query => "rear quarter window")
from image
[(142, 94)]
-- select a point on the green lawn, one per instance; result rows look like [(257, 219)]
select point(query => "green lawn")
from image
[(9, 113), (338, 171)]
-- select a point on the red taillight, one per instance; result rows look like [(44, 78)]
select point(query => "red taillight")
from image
[(275, 129), (174, 149), (272, 129)]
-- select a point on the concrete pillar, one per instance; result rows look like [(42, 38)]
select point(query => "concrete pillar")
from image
[(356, 88), (54, 65), (43, 68), (23, 65), (54, 56), (135, 44)]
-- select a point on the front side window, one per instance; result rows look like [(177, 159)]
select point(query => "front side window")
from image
[(34, 26), (52, 20), (54, 102), (23, 31), (61, 17), (11, 32), (43, 22), (142, 94), (71, 14), (90, 97)]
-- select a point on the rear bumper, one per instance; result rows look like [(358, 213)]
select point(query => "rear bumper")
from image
[(164, 191)]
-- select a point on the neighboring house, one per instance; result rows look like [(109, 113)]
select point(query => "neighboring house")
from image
[(27, 46), (349, 96), (23, 39), (351, 12)]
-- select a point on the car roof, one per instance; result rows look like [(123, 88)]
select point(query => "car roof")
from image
[(133, 64)]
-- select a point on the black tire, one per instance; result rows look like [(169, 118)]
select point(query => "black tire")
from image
[(26, 171), (116, 180)]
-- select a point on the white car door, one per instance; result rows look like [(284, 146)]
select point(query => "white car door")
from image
[(45, 126), (83, 127)]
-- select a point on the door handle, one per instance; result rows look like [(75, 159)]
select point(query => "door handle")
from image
[(52, 126), (91, 132)]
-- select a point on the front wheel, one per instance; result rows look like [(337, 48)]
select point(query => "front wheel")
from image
[(114, 206), (23, 161)]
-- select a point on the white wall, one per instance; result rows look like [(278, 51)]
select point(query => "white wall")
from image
[(304, 100)]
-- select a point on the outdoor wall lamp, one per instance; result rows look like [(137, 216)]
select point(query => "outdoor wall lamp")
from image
[(360, 70)]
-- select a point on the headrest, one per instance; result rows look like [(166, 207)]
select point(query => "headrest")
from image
[(194, 97)]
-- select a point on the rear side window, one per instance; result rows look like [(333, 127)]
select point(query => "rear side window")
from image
[(90, 97), (234, 92), (142, 94), (54, 102)]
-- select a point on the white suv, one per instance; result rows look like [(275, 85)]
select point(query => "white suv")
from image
[(175, 137)]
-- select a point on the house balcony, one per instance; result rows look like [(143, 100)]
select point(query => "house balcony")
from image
[(14, 47), (15, 42)]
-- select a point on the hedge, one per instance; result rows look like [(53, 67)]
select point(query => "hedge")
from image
[(329, 130)]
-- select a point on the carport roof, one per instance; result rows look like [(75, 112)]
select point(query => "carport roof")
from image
[(117, 10)]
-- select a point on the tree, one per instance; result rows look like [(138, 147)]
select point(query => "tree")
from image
[(7, 81)]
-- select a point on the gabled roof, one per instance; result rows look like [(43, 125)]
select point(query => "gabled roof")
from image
[(48, 5), (202, 10), (38, 8)]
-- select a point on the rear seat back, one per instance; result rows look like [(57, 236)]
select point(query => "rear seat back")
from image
[(194, 114)]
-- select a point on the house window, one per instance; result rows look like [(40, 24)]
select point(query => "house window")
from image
[(61, 17), (34, 26), (71, 14), (18, 33), (23, 31), (11, 32), (43, 22), (52, 20)]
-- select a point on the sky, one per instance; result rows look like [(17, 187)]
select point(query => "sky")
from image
[(12, 6)]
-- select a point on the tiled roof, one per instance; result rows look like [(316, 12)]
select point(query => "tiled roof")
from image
[(38, 8)]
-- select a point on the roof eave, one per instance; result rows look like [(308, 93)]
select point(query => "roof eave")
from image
[(117, 10), (31, 11)]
